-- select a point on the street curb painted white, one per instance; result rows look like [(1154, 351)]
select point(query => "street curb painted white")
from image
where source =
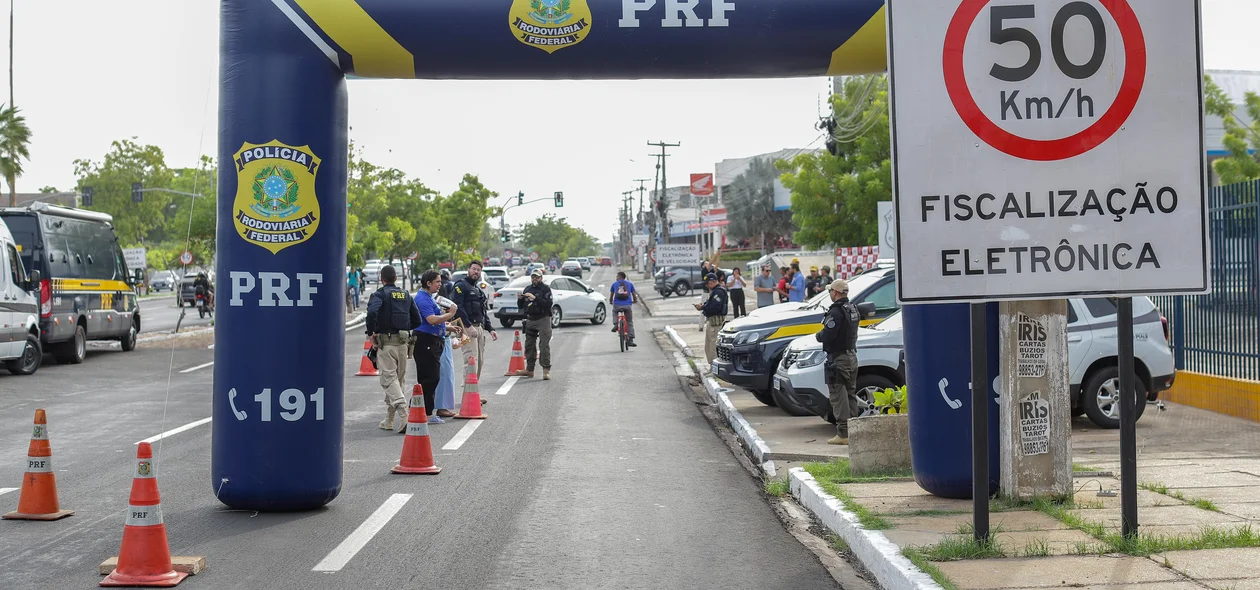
[(881, 557), (678, 341), (757, 447)]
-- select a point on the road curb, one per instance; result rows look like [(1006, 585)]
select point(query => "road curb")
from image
[(678, 341), (756, 447), (880, 556)]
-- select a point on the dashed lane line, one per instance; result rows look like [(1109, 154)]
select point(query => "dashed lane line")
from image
[(507, 386), (191, 369), (343, 553), (174, 431), (462, 436)]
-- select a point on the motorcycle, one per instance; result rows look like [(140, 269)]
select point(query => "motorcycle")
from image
[(205, 304)]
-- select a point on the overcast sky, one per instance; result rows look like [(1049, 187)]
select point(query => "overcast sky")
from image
[(90, 72)]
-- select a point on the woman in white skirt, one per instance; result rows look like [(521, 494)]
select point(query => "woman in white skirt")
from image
[(444, 404)]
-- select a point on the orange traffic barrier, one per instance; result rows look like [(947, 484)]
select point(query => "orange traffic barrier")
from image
[(145, 556), (417, 451), (38, 500), (365, 364), (518, 357), (470, 405)]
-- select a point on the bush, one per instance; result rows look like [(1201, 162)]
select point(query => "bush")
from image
[(892, 401)]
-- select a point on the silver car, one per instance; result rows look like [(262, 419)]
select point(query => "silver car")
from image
[(571, 300)]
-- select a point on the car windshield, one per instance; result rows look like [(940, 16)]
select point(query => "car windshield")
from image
[(857, 285)]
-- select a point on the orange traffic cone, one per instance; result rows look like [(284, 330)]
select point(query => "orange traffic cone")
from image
[(38, 500), (470, 405), (365, 364), (417, 452), (518, 357), (145, 557)]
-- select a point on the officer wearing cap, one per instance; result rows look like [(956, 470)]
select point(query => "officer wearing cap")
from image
[(391, 316), (839, 340), (813, 283), (714, 310), (535, 300), (467, 294)]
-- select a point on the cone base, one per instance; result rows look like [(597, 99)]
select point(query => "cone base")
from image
[(166, 580), (365, 374), (431, 470), (58, 515), (477, 417)]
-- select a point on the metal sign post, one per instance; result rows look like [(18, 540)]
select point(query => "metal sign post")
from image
[(979, 424), (1128, 419)]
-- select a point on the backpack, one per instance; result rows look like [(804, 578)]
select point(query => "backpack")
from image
[(623, 292)]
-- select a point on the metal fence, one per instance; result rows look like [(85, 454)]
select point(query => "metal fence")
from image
[(1219, 333)]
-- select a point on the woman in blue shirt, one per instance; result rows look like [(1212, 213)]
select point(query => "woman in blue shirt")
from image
[(431, 339)]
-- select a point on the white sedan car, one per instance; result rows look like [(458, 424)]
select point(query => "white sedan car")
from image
[(571, 300), (1092, 354)]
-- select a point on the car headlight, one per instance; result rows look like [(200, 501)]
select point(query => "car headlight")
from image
[(812, 358), (752, 336)]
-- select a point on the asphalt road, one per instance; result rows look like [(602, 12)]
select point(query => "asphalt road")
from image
[(604, 477), (160, 315)]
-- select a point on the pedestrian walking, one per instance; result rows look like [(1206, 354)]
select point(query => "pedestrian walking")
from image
[(622, 297), (430, 339), (714, 312), (536, 301), (391, 317), (839, 340), (352, 279), (473, 312), (736, 286), (765, 286)]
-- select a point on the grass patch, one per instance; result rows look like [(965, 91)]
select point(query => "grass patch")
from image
[(957, 549), (928, 513), (1036, 548), (920, 561), (1208, 538), (969, 528), (1078, 468), (831, 476), (839, 544), (778, 487), (1199, 503)]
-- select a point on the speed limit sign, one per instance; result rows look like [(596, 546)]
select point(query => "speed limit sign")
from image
[(186, 258), (1047, 148), (533, 256)]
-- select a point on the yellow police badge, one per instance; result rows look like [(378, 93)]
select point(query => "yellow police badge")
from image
[(550, 24), (276, 206)]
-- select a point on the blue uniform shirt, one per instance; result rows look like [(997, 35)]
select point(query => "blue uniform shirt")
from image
[(429, 307)]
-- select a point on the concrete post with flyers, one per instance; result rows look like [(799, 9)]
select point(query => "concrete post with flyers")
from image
[(1036, 406)]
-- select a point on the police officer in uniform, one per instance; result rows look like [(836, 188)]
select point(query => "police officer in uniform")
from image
[(391, 316), (536, 301), (467, 294), (714, 311), (839, 340)]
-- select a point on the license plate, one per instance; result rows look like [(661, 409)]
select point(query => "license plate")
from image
[(509, 310), (778, 384), (714, 368)]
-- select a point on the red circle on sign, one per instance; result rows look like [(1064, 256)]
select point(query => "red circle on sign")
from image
[(1039, 149)]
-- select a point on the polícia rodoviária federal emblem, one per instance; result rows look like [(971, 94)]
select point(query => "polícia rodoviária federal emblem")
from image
[(550, 25), (276, 206)]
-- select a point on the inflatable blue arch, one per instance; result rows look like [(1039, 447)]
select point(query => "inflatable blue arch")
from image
[(280, 336)]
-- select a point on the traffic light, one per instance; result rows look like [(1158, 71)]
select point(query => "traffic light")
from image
[(137, 194), (520, 198), (507, 236), (559, 198), (87, 196)]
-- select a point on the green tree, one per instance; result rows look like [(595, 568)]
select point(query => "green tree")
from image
[(15, 140), (750, 204), (194, 220), (834, 197), (48, 190), (464, 215), (1241, 140), (125, 163), (550, 236)]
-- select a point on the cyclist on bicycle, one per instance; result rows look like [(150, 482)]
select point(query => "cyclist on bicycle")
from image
[(622, 296)]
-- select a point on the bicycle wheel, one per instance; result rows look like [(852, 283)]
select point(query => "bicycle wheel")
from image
[(621, 331)]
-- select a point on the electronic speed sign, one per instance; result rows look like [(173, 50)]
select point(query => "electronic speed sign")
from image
[(1047, 148)]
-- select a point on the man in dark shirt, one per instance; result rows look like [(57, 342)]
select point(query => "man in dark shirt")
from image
[(391, 316), (467, 294), (839, 340), (536, 301), (714, 311)]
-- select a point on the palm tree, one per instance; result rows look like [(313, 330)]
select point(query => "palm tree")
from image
[(15, 137)]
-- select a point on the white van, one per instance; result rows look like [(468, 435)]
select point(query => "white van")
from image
[(20, 351)]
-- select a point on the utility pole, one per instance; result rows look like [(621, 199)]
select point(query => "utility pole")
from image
[(641, 189), (662, 201), (12, 189)]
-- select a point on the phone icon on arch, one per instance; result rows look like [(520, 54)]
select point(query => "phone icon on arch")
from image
[(240, 414), (953, 403)]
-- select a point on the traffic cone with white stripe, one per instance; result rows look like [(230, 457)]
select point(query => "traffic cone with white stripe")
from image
[(517, 363), (145, 556), (417, 451), (38, 500), (366, 368), (470, 405)]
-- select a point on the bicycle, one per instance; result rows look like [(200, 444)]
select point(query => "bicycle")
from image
[(623, 333)]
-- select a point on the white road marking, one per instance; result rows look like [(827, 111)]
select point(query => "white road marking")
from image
[(356, 326), (343, 553), (462, 436), (191, 369), (507, 386), (174, 431), (4, 491)]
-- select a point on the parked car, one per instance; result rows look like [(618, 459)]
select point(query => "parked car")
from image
[(605, 261), (585, 262), (1092, 358), (573, 300), (497, 276), (85, 289), (372, 270), (486, 287), (529, 269), (162, 280), (749, 349), (571, 268), (493, 261), (20, 350)]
